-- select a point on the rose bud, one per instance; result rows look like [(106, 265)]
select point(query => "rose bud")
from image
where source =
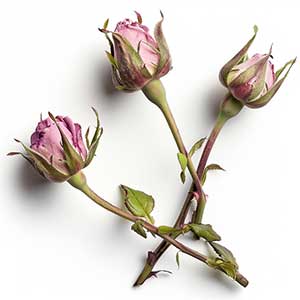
[(136, 57), (253, 81), (57, 149)]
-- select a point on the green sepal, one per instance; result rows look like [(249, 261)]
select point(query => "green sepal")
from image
[(87, 141), (105, 31), (196, 146), (139, 229), (209, 168), (131, 67), (238, 58), (138, 203), (205, 231), (92, 147), (74, 160), (262, 101), (44, 167), (13, 153), (183, 164), (164, 63), (105, 25), (111, 59), (139, 17)]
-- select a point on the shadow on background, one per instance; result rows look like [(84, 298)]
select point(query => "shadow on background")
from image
[(34, 189), (211, 102)]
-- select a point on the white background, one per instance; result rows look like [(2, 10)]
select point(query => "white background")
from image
[(57, 244)]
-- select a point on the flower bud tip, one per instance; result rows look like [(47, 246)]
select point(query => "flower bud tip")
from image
[(139, 17), (105, 24), (51, 116), (12, 153)]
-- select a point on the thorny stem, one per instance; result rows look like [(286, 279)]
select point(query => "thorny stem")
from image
[(229, 109), (79, 181)]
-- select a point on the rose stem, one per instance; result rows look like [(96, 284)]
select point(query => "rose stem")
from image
[(155, 92), (79, 182), (229, 109)]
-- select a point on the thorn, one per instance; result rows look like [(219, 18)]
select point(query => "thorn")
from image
[(196, 195)]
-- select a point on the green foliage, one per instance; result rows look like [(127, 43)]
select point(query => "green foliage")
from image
[(167, 230), (138, 203), (224, 253), (210, 167), (205, 231), (225, 261), (139, 229), (196, 147), (183, 164), (227, 267)]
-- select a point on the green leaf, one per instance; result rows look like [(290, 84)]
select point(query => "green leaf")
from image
[(210, 167), (167, 229), (205, 231), (177, 259), (196, 146), (227, 267), (224, 253), (138, 203), (183, 164), (139, 229), (182, 177)]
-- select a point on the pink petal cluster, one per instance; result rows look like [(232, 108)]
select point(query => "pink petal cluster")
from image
[(244, 90), (139, 37), (47, 141)]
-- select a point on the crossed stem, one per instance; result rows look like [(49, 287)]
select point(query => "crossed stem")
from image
[(79, 181), (198, 214)]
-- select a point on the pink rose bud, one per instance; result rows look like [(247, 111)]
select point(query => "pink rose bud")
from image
[(137, 57), (253, 81), (57, 149)]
